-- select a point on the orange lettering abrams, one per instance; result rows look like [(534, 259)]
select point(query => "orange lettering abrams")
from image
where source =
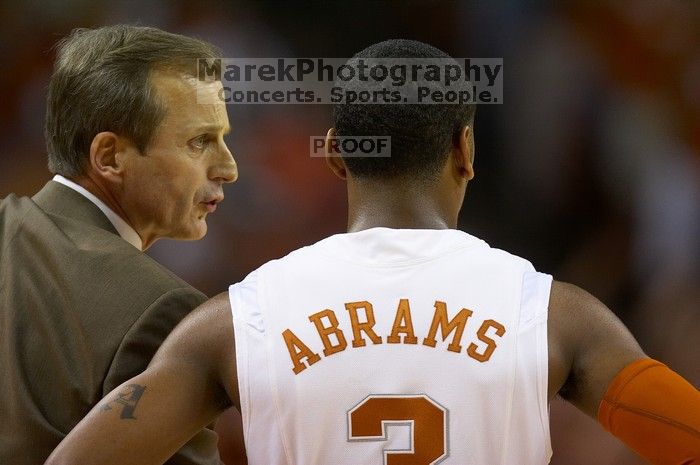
[(402, 332)]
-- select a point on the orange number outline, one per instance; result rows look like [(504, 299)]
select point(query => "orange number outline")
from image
[(407, 420)]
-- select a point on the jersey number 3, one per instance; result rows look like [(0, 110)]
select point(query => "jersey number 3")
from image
[(428, 420)]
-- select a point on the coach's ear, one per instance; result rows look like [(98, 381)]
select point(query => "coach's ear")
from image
[(463, 154), (333, 159), (107, 157)]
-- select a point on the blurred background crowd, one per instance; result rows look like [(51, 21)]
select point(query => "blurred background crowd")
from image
[(590, 168)]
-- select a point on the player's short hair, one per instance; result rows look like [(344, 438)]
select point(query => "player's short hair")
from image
[(101, 83), (421, 134)]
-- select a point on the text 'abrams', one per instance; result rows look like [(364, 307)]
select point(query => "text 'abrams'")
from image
[(334, 338)]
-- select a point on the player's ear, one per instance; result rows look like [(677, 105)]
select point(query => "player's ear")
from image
[(333, 159), (108, 153), (463, 152)]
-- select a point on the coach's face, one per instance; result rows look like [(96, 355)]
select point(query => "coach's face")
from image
[(169, 190)]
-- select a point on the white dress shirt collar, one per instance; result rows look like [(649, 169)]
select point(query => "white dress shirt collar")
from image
[(125, 231)]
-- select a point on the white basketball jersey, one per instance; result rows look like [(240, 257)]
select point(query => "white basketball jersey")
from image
[(397, 347)]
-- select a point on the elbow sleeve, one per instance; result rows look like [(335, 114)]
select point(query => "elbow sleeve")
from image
[(655, 412)]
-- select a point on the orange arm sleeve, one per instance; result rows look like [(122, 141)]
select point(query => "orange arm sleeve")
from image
[(655, 412)]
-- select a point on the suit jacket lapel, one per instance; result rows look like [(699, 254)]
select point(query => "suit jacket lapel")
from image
[(60, 200)]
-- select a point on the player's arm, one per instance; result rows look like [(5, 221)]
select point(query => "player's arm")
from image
[(144, 421), (597, 365), (136, 350)]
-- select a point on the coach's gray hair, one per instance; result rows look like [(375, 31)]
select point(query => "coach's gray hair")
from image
[(101, 83)]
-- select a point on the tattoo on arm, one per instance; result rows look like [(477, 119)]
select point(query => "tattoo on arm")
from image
[(128, 399)]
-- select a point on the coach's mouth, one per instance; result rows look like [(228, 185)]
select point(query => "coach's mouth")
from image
[(211, 203)]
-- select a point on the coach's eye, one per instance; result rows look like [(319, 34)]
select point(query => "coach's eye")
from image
[(199, 143)]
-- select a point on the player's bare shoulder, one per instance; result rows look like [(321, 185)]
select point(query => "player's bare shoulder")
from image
[(205, 341), (588, 346)]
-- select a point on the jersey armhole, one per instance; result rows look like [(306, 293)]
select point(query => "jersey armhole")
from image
[(243, 299), (534, 311)]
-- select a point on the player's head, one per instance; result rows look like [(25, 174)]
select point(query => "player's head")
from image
[(422, 135), (123, 114)]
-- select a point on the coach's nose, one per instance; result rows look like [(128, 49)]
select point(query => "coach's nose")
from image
[(225, 169)]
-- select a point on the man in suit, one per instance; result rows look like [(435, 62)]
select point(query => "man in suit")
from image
[(136, 158)]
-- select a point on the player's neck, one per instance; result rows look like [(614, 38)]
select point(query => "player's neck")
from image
[(367, 222), (372, 208)]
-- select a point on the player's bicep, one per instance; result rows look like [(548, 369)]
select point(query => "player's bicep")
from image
[(148, 418), (203, 343), (145, 420), (588, 345)]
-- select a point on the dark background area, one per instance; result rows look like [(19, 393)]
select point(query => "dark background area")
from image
[(590, 168)]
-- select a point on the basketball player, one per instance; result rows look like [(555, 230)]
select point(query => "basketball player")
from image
[(403, 341)]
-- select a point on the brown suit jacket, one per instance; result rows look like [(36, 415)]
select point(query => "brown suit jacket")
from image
[(81, 311)]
